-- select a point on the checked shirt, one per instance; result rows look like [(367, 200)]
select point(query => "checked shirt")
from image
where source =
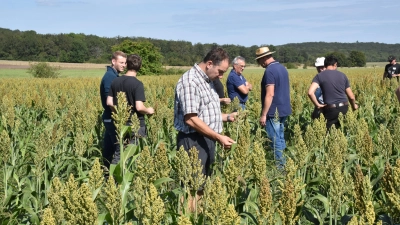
[(195, 93)]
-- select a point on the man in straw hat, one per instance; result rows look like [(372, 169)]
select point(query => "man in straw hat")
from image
[(275, 100)]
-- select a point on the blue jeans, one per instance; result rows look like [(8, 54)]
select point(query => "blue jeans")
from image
[(111, 151), (275, 132)]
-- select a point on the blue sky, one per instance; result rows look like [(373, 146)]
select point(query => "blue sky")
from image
[(246, 22)]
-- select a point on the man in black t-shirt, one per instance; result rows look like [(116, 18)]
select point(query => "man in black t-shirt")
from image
[(134, 91), (392, 69), (219, 88)]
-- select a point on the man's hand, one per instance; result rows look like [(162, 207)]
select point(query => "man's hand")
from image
[(231, 117), (225, 100), (355, 106), (320, 106), (225, 141), (150, 111), (249, 86), (263, 120)]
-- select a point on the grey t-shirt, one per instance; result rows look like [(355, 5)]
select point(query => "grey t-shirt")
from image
[(333, 84)]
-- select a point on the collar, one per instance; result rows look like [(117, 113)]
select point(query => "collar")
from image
[(112, 69), (273, 62), (233, 71), (202, 73)]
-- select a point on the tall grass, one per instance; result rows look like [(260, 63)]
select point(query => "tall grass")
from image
[(51, 135)]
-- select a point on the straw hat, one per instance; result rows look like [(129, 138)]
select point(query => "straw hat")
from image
[(263, 51)]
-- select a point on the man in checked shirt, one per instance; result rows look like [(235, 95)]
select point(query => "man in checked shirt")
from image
[(197, 112)]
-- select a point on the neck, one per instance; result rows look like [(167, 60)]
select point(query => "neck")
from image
[(131, 73), (115, 69), (331, 68), (270, 60)]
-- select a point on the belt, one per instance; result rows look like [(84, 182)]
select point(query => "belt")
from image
[(337, 105)]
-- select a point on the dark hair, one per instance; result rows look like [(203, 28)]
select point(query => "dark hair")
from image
[(330, 61), (134, 62), (216, 56), (391, 58)]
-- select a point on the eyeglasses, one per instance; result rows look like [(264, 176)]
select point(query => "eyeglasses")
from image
[(243, 66)]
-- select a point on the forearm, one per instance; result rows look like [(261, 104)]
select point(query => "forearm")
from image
[(267, 105), (226, 119), (313, 99)]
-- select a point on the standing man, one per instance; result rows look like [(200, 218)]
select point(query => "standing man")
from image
[(275, 100), (336, 90), (319, 65), (392, 69), (134, 91), (110, 145), (197, 112), (236, 84), (219, 88)]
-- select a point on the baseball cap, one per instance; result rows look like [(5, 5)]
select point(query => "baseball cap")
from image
[(319, 61)]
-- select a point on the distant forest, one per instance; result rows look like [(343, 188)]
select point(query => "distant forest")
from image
[(80, 48)]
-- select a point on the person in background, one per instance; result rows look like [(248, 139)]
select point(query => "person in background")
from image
[(236, 84), (197, 113), (275, 100), (392, 69), (219, 88), (319, 65), (110, 143), (134, 91), (336, 91)]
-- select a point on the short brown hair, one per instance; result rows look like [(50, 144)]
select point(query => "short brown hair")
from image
[(134, 62), (118, 53), (216, 55)]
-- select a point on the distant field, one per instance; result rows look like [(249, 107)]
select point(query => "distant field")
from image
[(18, 69)]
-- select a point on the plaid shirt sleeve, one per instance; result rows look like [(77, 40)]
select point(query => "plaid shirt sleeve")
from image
[(189, 96)]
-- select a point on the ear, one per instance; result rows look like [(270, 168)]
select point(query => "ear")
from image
[(113, 62), (209, 64)]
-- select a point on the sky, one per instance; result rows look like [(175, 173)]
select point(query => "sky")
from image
[(245, 22)]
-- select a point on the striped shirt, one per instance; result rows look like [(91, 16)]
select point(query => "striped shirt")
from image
[(195, 93)]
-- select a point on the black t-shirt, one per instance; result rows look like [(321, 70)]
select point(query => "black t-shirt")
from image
[(391, 69), (219, 88), (133, 89), (333, 84)]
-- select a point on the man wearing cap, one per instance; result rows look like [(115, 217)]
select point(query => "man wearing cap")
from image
[(236, 84), (275, 100), (219, 88), (319, 65), (392, 69), (336, 90)]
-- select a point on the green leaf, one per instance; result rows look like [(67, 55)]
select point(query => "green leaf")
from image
[(160, 181)]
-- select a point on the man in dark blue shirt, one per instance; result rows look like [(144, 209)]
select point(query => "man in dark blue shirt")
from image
[(275, 100), (236, 84), (110, 143)]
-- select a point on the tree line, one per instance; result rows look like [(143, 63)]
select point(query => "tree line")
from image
[(80, 48)]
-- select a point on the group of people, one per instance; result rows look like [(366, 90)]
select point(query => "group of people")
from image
[(199, 94), (198, 98)]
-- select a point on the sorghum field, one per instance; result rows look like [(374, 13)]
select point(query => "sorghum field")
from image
[(51, 173)]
